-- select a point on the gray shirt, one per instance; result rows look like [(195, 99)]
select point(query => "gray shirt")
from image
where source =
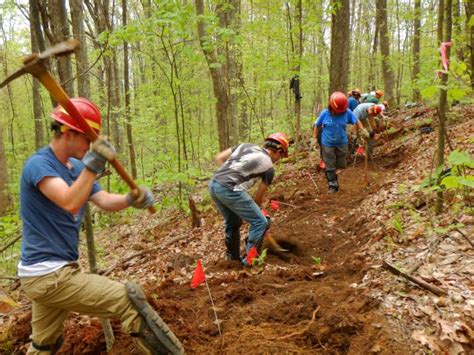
[(246, 164), (361, 111)]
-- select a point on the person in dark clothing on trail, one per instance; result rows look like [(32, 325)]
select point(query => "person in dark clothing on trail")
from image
[(333, 121), (241, 167)]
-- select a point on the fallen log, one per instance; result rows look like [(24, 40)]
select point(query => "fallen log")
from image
[(416, 280)]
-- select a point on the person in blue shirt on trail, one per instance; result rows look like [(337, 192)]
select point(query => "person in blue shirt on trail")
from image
[(56, 183), (353, 99), (333, 121)]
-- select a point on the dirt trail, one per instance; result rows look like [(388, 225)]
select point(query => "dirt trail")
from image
[(291, 306), (294, 305)]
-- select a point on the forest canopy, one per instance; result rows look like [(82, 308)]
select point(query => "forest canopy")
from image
[(178, 80)]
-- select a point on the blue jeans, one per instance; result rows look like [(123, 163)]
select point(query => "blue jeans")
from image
[(236, 206)]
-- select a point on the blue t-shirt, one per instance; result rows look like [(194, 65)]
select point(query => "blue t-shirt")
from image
[(49, 232), (352, 102), (334, 127)]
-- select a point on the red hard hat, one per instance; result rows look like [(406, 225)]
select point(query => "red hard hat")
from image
[(87, 109), (281, 140), (379, 93), (338, 102)]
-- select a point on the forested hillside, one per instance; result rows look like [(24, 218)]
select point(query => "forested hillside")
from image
[(382, 266)]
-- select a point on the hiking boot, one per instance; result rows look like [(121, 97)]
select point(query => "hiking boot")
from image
[(154, 336), (332, 190)]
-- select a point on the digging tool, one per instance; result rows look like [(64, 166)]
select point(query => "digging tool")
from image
[(273, 243), (35, 64), (366, 164)]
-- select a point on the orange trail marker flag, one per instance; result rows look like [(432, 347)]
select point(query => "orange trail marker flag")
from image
[(198, 276), (360, 151), (274, 205)]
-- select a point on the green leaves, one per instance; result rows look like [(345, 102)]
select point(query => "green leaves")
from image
[(461, 159), (429, 92), (260, 260), (9, 226), (455, 182)]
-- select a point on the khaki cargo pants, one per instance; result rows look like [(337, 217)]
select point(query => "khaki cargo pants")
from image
[(68, 289)]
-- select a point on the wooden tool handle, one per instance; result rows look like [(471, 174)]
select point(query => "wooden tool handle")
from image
[(63, 99)]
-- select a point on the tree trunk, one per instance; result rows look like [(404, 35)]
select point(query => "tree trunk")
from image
[(416, 50), (5, 199), (340, 38), (82, 62), (373, 56), (440, 21), (387, 72), (443, 105), (37, 107), (299, 55), (128, 118), (60, 31), (469, 6), (224, 77), (115, 103), (457, 24)]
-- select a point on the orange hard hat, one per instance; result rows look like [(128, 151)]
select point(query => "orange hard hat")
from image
[(379, 93), (86, 108), (338, 102), (281, 142)]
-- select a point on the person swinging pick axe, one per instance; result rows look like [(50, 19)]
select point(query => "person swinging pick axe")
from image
[(241, 167), (56, 183)]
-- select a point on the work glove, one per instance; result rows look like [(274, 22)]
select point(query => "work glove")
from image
[(143, 199), (365, 133), (100, 152), (312, 142)]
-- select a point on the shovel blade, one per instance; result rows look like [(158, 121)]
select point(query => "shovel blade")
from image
[(274, 245)]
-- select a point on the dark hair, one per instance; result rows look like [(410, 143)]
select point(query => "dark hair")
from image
[(56, 128), (331, 110), (273, 145)]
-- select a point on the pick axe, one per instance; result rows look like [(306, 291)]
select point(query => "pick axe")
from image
[(35, 64)]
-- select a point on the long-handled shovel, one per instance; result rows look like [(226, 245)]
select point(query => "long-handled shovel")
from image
[(35, 64)]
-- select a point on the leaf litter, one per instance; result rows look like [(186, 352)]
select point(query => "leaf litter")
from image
[(345, 304)]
